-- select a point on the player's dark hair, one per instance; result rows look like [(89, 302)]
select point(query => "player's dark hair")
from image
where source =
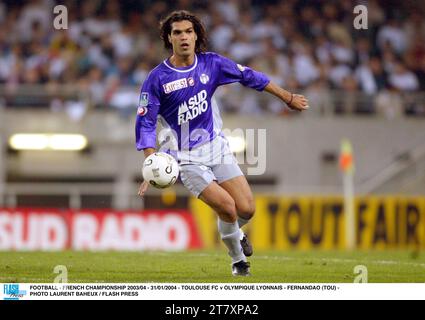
[(176, 16)]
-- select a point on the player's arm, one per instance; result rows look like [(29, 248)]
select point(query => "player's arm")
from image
[(146, 122), (231, 72), (294, 101), (148, 151), (144, 185)]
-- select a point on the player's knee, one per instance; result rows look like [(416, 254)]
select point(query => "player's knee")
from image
[(228, 210), (247, 209)]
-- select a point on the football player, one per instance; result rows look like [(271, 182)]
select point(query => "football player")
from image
[(179, 94)]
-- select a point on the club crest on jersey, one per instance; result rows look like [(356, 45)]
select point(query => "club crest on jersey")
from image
[(175, 85), (204, 78)]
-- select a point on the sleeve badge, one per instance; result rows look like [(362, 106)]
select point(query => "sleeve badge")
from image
[(144, 99)]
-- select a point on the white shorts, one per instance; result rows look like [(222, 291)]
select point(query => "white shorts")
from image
[(210, 162)]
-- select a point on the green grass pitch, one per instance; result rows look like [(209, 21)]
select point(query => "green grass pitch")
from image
[(211, 266)]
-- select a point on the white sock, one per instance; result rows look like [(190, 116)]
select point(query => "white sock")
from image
[(241, 223), (230, 235)]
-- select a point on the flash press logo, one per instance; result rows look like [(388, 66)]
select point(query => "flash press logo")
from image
[(12, 292)]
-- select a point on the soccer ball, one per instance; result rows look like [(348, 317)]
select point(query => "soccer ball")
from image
[(160, 170)]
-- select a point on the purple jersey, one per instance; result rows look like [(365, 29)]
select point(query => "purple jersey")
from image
[(181, 99)]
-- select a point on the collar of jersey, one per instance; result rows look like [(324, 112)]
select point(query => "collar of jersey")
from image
[(183, 69)]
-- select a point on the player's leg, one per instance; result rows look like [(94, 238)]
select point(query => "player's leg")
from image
[(222, 203), (240, 191), (219, 200), (230, 177), (199, 180)]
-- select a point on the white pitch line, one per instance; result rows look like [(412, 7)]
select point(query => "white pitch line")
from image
[(336, 260), (43, 281), (19, 278), (186, 255)]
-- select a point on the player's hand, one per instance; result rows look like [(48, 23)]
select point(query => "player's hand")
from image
[(143, 187), (298, 103)]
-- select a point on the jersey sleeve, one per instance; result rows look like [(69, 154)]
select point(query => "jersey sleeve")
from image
[(230, 72), (147, 112)]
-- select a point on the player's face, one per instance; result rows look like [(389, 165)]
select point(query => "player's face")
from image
[(183, 38)]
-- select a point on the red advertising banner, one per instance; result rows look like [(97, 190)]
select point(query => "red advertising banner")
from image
[(55, 229)]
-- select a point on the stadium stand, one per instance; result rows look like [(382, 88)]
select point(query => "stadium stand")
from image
[(87, 79)]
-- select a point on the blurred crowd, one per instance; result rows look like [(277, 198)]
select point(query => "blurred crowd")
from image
[(307, 46)]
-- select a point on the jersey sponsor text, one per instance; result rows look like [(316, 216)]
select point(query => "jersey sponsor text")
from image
[(195, 106)]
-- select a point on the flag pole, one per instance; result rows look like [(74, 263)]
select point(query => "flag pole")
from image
[(347, 167)]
